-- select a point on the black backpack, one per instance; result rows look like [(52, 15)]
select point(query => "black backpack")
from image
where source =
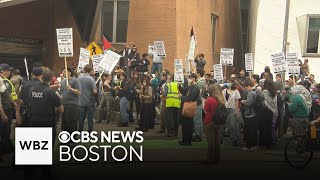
[(220, 115), (259, 102)]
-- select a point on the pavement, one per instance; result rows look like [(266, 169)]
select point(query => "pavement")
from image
[(177, 161)]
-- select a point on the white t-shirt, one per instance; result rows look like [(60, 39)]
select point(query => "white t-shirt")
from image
[(233, 97)]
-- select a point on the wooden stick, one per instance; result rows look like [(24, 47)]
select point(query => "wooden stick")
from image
[(225, 72), (66, 70), (100, 76)]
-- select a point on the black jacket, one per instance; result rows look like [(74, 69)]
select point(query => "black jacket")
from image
[(124, 89)]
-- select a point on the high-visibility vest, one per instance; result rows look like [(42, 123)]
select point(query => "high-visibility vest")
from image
[(173, 99), (13, 90)]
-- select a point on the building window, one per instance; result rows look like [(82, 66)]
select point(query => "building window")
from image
[(114, 23), (213, 30), (313, 36)]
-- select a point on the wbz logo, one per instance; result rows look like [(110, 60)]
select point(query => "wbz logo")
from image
[(33, 146)]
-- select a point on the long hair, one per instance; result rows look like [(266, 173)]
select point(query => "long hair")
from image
[(215, 92), (269, 85)]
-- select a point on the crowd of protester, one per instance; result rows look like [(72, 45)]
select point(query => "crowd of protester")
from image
[(260, 108)]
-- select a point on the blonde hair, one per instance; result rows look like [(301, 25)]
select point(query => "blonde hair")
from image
[(214, 91)]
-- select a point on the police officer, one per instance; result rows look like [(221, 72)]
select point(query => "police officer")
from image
[(43, 103), (171, 92), (25, 91), (12, 91), (8, 106)]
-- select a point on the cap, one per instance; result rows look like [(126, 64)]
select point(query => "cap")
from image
[(37, 71), (193, 75), (4, 67)]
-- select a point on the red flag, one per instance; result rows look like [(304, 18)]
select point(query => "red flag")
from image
[(106, 44)]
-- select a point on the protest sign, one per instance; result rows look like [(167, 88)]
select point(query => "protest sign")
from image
[(192, 48), (159, 48), (278, 62), (96, 59), (226, 56), (65, 42), (218, 72), (84, 58), (248, 62), (293, 64), (109, 61), (150, 49), (178, 71)]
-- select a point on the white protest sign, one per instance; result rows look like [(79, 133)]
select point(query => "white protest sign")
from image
[(178, 71), (84, 58), (160, 49), (293, 64), (65, 42), (109, 61), (96, 59), (192, 48), (248, 62), (278, 62), (226, 56), (150, 49), (188, 65), (218, 72)]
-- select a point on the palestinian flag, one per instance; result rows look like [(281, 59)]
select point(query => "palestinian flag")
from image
[(106, 44), (193, 36)]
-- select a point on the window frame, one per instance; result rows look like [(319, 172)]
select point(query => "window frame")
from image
[(214, 16), (115, 18), (305, 54)]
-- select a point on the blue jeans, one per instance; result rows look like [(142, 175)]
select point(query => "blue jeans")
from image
[(197, 122), (123, 110), (82, 115), (156, 67)]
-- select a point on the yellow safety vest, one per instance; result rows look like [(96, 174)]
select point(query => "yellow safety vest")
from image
[(173, 99), (13, 90)]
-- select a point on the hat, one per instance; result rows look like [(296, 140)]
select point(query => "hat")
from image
[(193, 75), (4, 67), (119, 71), (37, 71)]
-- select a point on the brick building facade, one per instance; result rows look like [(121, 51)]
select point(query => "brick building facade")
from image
[(30, 28)]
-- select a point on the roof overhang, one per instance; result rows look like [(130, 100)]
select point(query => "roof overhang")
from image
[(7, 3)]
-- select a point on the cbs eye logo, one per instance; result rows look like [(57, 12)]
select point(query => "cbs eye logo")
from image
[(64, 137)]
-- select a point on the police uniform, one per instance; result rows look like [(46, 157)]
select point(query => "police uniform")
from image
[(24, 96), (43, 101), (5, 128), (173, 107)]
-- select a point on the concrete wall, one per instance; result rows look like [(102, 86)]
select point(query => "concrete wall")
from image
[(267, 25), (300, 8), (266, 30)]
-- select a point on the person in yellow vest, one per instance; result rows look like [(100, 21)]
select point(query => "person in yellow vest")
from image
[(6, 69), (172, 94)]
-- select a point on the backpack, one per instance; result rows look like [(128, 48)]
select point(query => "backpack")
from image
[(220, 115), (259, 102)]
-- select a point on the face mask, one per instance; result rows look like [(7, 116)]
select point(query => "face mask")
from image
[(228, 85), (145, 84), (168, 81), (189, 81)]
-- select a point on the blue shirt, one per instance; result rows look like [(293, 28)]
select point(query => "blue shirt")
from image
[(87, 85)]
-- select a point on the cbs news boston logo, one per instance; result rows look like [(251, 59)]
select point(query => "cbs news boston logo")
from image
[(33, 146)]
